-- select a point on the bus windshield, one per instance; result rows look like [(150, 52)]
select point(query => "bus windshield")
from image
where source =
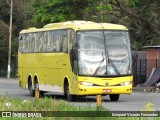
[(104, 53)]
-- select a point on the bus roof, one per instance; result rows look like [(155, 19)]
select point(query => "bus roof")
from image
[(76, 25)]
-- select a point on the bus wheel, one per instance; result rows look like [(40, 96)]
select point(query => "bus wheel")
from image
[(114, 97), (69, 96), (36, 86), (30, 87)]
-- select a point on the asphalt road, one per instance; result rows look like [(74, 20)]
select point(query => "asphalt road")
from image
[(134, 102)]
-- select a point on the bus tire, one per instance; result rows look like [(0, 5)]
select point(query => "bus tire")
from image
[(41, 93), (30, 87), (114, 97), (69, 96)]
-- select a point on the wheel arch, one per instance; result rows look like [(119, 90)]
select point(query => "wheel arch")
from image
[(66, 80), (36, 79), (29, 79)]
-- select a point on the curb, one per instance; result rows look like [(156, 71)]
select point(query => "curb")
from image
[(146, 89)]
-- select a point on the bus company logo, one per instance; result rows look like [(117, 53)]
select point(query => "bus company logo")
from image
[(6, 114), (106, 83), (149, 107)]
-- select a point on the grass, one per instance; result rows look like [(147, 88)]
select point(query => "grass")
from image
[(57, 109)]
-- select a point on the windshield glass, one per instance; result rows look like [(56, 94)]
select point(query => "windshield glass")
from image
[(103, 53)]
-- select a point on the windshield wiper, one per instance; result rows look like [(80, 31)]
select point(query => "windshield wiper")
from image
[(97, 69), (112, 64)]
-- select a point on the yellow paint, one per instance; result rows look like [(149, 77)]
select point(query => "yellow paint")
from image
[(54, 68)]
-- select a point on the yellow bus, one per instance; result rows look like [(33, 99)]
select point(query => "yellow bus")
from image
[(76, 58)]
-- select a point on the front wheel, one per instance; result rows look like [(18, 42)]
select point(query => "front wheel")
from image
[(69, 96), (114, 97)]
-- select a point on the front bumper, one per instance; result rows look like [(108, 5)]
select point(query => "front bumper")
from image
[(95, 90)]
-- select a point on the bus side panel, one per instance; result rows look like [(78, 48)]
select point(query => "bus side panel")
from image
[(20, 77), (21, 65), (45, 67), (65, 71), (50, 71), (23, 78)]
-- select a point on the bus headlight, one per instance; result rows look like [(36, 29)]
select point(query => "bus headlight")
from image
[(126, 83), (86, 83)]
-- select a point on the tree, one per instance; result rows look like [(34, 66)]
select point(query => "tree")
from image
[(140, 16), (143, 19), (3, 44), (22, 15), (58, 11)]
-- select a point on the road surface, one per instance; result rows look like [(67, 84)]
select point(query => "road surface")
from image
[(134, 102)]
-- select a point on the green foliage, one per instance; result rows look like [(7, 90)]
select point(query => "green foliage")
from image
[(44, 104), (14, 46), (58, 11), (144, 27), (131, 3), (109, 7), (4, 11), (22, 13), (3, 44), (140, 16), (62, 107)]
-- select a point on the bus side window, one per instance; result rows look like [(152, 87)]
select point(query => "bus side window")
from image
[(45, 39), (50, 47), (58, 43), (30, 40), (53, 41), (65, 42), (26, 43), (33, 42), (21, 44), (36, 42), (40, 42), (57, 39)]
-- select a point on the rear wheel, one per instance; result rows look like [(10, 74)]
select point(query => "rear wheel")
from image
[(36, 86), (69, 96), (30, 87), (114, 97)]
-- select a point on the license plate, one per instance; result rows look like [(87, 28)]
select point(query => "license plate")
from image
[(107, 90)]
